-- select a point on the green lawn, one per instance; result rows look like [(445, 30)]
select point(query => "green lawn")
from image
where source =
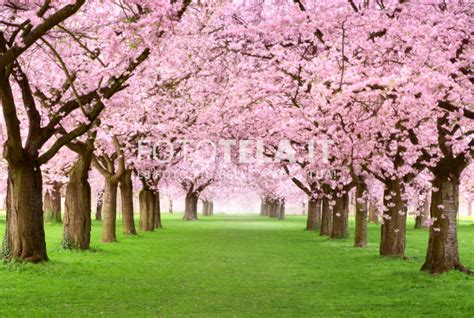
[(235, 266)]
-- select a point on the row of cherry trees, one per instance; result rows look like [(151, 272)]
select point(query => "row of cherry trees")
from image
[(374, 98)]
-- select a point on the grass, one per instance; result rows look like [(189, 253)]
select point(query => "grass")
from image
[(235, 266)]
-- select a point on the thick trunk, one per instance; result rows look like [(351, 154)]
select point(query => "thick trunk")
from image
[(423, 215), (442, 254), (340, 218), (126, 193), (373, 218), (77, 212), (109, 211), (392, 242), (360, 239), (147, 209), (190, 210), (52, 204), (273, 211), (325, 218), (100, 203), (157, 211), (24, 235), (281, 214), (313, 220)]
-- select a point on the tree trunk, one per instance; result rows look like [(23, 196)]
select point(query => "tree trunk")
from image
[(100, 203), (77, 212), (340, 218), (281, 215), (24, 234), (170, 206), (147, 210), (190, 211), (211, 208), (360, 239), (157, 211), (265, 207), (52, 204), (325, 218), (373, 218), (205, 207), (109, 211), (469, 208), (442, 254), (313, 220), (423, 215), (392, 241), (126, 193)]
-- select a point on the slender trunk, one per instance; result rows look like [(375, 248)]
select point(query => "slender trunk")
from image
[(442, 254), (393, 232), (190, 211), (211, 208), (170, 206), (361, 216), (423, 215), (304, 208), (205, 207), (24, 234), (281, 215), (325, 218), (273, 209), (100, 203), (126, 193), (469, 208), (340, 218), (77, 212), (157, 211), (52, 204), (313, 220), (109, 211), (373, 218), (265, 207), (147, 209)]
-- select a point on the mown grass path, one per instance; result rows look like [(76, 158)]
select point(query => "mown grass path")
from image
[(235, 266)]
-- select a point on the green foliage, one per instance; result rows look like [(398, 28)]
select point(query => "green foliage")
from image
[(235, 266)]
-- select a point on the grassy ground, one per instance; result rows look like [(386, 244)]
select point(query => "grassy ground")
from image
[(235, 266)]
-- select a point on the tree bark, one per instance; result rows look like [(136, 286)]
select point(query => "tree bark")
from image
[(52, 204), (126, 193), (157, 211), (211, 208), (147, 210), (373, 218), (325, 218), (190, 211), (423, 215), (170, 207), (442, 254), (100, 203), (205, 207), (77, 212), (281, 214), (360, 239), (109, 211), (340, 218), (313, 220), (265, 207), (393, 232), (24, 234)]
